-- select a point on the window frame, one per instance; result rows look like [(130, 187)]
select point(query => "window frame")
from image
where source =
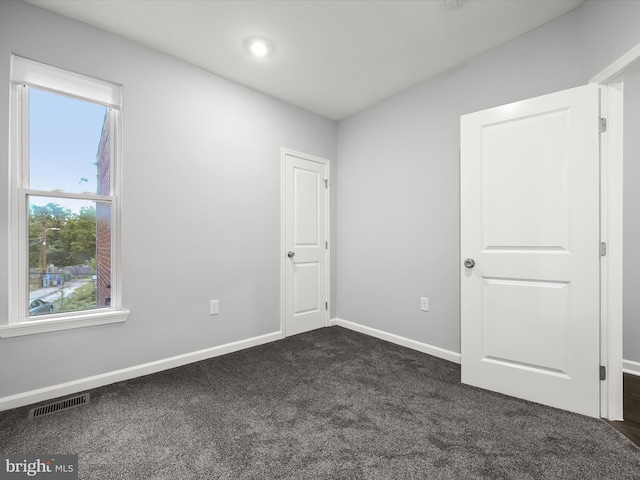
[(26, 74)]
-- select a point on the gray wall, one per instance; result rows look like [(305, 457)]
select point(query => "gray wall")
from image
[(203, 156), (632, 215), (201, 197), (399, 170)]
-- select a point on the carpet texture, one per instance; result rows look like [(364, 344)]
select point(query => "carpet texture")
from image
[(328, 404)]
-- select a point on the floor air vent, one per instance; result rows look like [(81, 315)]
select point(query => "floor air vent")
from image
[(61, 405)]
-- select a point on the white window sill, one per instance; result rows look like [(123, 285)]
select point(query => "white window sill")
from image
[(32, 327)]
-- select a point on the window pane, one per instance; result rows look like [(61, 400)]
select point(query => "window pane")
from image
[(69, 147), (69, 255)]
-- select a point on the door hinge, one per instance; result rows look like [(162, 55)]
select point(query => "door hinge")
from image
[(603, 249), (603, 125), (326, 245), (603, 372), (326, 183), (326, 305)]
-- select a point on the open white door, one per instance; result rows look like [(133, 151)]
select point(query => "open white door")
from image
[(306, 228), (530, 186)]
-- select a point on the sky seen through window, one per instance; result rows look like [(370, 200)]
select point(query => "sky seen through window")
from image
[(64, 135)]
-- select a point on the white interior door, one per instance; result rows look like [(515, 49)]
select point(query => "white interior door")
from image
[(530, 222), (306, 275)]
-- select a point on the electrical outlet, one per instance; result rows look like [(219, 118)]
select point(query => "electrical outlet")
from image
[(214, 307), (424, 304)]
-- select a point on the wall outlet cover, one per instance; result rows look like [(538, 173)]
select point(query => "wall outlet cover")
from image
[(424, 304), (214, 307)]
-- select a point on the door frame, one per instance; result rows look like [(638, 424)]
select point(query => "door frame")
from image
[(283, 258), (611, 227)]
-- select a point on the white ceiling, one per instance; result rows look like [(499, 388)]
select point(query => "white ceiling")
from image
[(331, 57)]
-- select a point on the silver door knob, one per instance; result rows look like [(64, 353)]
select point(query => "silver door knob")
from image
[(291, 254), (469, 263)]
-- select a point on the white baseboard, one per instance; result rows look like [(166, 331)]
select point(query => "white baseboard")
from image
[(629, 366), (75, 386), (398, 340)]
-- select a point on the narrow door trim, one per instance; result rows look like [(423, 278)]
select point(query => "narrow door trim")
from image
[(283, 287)]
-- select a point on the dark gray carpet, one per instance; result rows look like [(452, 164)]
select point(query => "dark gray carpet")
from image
[(328, 404)]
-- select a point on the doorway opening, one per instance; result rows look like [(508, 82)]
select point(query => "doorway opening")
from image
[(620, 333), (630, 426)]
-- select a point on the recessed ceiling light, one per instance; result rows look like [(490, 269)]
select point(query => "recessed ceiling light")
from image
[(258, 47)]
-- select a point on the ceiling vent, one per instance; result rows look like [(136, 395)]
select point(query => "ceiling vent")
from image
[(455, 4)]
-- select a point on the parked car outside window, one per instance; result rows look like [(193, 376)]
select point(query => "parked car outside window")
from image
[(40, 307)]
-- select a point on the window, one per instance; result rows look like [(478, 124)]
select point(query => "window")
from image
[(65, 200)]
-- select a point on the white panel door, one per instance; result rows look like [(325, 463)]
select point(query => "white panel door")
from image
[(305, 244), (530, 221)]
